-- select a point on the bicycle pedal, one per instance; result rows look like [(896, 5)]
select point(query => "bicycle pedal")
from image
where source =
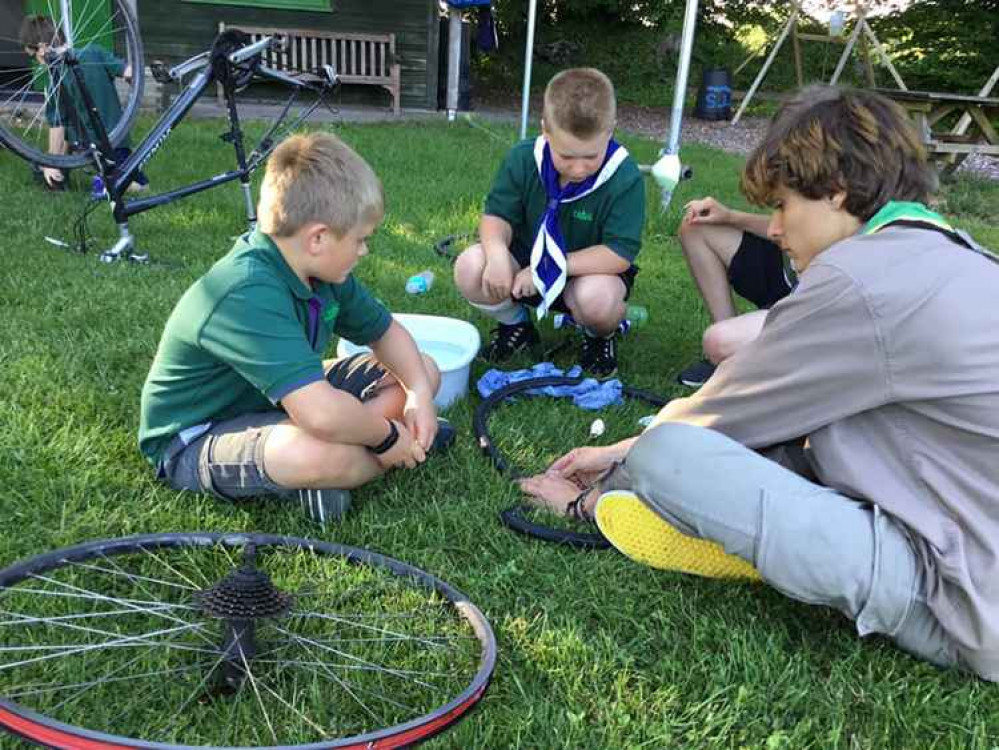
[(160, 71)]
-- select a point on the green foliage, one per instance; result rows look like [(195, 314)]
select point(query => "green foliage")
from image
[(943, 45)]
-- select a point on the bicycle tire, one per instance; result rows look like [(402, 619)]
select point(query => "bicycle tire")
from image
[(30, 141), (45, 570), (516, 516)]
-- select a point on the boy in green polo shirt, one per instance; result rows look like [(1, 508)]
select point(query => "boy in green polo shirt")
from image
[(561, 227), (65, 110), (239, 401)]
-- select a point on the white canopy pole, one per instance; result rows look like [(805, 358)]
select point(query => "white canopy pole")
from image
[(453, 60), (67, 22), (525, 103), (667, 171), (683, 70)]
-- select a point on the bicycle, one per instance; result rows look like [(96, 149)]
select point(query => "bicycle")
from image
[(233, 62)]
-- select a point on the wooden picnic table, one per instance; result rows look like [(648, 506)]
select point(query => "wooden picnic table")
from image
[(947, 148)]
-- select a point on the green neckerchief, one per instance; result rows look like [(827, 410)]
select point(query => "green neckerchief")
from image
[(913, 214), (894, 211)]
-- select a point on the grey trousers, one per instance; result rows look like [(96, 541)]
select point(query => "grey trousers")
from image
[(807, 541)]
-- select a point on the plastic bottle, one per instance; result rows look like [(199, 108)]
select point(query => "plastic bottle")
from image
[(637, 315), (97, 190), (421, 282)]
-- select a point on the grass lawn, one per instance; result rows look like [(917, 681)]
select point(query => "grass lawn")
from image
[(594, 651)]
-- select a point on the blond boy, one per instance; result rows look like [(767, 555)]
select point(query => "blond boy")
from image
[(561, 228), (239, 401)]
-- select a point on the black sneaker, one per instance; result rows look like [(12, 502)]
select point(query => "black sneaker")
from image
[(508, 340), (599, 355), (444, 437), (324, 506), (697, 374)]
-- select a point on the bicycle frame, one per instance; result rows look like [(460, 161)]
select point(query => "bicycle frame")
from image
[(118, 177)]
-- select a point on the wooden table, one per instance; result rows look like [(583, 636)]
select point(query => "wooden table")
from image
[(948, 149)]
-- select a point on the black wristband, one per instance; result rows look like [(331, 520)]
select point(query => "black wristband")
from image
[(386, 445)]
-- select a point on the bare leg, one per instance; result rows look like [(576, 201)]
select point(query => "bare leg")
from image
[(295, 459), (596, 302), (723, 339), (708, 250)]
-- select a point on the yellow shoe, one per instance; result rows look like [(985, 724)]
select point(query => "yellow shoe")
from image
[(637, 532)]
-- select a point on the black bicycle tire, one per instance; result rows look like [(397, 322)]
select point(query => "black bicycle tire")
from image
[(443, 246), (514, 516), (128, 114), (39, 729)]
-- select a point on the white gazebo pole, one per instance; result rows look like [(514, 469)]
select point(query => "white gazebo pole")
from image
[(453, 60), (525, 102), (67, 22), (667, 171), (682, 73)]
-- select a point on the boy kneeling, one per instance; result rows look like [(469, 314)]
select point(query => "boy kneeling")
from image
[(239, 401), (561, 228)]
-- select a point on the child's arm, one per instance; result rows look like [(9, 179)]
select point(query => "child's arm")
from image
[(495, 236), (57, 145), (397, 351), (596, 259)]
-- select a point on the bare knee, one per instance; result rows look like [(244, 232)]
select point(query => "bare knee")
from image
[(597, 301), (717, 344), (433, 372), (468, 268)]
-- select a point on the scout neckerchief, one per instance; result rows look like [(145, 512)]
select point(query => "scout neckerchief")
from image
[(548, 263), (901, 213)]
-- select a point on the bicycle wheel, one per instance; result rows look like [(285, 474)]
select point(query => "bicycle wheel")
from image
[(103, 37), (234, 641)]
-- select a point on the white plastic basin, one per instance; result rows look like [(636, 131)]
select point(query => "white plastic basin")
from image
[(452, 344)]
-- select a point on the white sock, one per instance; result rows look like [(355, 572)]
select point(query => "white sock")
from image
[(506, 312)]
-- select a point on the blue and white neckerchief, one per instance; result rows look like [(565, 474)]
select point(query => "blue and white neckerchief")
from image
[(548, 262)]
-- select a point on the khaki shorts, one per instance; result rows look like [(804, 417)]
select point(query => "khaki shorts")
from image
[(226, 459)]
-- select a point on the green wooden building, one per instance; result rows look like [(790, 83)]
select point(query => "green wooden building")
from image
[(176, 29)]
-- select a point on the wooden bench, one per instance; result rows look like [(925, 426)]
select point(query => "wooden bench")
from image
[(948, 149), (357, 58)]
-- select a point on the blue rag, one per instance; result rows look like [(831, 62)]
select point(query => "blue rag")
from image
[(588, 394)]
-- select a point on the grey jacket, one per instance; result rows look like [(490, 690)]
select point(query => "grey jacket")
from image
[(887, 358)]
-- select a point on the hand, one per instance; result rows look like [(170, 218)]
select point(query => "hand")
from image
[(584, 466), (420, 416), (53, 177), (523, 284), (707, 211), (497, 279), (406, 453), (555, 493)]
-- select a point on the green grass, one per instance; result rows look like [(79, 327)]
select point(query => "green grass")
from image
[(595, 652)]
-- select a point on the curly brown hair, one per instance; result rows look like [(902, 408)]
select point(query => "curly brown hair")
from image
[(829, 140)]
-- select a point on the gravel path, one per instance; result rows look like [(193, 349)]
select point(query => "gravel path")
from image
[(740, 139)]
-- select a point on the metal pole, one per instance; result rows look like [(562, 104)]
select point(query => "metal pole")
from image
[(453, 61), (525, 103), (680, 90), (67, 22)]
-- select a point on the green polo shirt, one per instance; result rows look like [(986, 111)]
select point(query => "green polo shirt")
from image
[(245, 335), (613, 216), (98, 68)]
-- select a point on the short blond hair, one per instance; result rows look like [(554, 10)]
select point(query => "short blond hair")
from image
[(581, 102), (318, 178)]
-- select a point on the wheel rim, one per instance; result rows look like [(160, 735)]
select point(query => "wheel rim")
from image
[(28, 100), (106, 645)]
